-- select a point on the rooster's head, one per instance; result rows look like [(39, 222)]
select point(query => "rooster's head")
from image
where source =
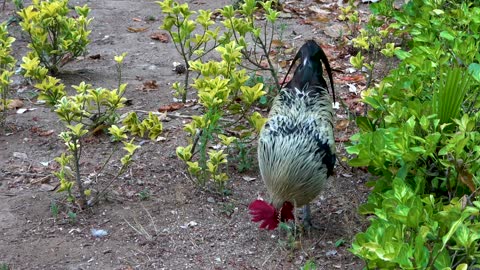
[(269, 215)]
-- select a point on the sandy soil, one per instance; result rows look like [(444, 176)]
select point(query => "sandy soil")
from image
[(223, 236)]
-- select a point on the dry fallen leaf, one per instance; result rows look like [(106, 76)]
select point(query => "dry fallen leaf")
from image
[(466, 177), (40, 132), (286, 79), (353, 102), (342, 124), (162, 37), (264, 64), (42, 180), (343, 139), (289, 51), (352, 78), (283, 63), (47, 187), (46, 133), (137, 30), (14, 104), (321, 18), (67, 58), (137, 19), (215, 14), (306, 22), (278, 43), (148, 85), (171, 107), (318, 10)]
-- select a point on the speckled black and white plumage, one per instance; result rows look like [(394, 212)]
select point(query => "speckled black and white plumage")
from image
[(296, 148)]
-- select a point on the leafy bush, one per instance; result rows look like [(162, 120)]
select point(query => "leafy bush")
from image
[(219, 88), (411, 231), (195, 39), (420, 139), (7, 64), (87, 112), (55, 38), (228, 120)]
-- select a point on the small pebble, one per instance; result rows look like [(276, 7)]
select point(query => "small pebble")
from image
[(99, 232)]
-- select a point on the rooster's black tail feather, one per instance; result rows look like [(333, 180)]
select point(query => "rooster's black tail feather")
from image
[(310, 71)]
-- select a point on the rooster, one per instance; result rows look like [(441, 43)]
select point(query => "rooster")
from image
[(296, 148)]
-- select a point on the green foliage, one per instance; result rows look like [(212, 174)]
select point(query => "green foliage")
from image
[(339, 242), (180, 26), (241, 25), (414, 231), (4, 266), (447, 101), (421, 139), (243, 158), (309, 265), (373, 43), (90, 110), (221, 85), (54, 209), (151, 125), (7, 64), (144, 195), (55, 36), (349, 15), (291, 242), (72, 217), (227, 208), (18, 4), (193, 47)]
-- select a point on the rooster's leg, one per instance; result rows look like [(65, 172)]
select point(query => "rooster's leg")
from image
[(307, 218)]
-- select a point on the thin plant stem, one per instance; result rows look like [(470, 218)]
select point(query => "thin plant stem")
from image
[(76, 156)]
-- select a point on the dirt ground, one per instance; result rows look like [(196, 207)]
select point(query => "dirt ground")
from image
[(184, 228)]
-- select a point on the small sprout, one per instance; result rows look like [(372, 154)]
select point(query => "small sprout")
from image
[(54, 209), (144, 195), (72, 217), (339, 242), (119, 58)]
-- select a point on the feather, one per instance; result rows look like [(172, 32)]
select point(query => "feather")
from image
[(264, 212), (309, 71), (296, 148)]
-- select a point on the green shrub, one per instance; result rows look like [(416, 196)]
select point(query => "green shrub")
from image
[(7, 64), (197, 38), (89, 111), (228, 118), (55, 37), (219, 88), (420, 139)]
